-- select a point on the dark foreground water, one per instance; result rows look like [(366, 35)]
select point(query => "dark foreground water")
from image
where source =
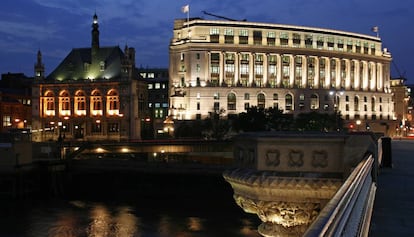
[(142, 205)]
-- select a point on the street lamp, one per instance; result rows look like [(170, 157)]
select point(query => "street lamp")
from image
[(358, 122)]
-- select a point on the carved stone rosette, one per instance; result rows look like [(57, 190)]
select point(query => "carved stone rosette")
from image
[(286, 205)]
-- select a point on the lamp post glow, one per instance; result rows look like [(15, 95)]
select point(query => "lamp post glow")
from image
[(358, 122)]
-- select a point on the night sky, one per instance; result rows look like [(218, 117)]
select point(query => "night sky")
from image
[(57, 26)]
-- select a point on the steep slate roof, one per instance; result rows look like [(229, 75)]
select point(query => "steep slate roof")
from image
[(73, 66)]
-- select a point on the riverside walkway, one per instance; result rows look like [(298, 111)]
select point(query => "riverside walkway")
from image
[(393, 213)]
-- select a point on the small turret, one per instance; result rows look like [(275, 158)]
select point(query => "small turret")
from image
[(39, 67), (95, 35)]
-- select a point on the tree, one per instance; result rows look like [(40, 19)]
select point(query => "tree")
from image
[(215, 126), (315, 121)]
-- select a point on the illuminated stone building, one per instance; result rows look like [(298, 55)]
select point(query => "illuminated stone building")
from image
[(234, 65), (94, 94)]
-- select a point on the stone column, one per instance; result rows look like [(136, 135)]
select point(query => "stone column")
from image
[(208, 68), (291, 70), (365, 81), (327, 73), (373, 79), (380, 82), (251, 68), (265, 69), (221, 68), (278, 70), (304, 71), (316, 82), (236, 68)]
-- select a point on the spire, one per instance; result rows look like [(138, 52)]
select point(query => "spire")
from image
[(39, 66), (95, 35)]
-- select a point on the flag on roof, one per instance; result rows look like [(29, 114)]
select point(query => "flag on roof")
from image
[(185, 8)]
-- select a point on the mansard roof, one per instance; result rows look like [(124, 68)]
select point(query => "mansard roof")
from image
[(81, 64)]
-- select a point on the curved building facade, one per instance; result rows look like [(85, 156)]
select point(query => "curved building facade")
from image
[(234, 65)]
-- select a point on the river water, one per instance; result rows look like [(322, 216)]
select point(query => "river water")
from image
[(113, 205)]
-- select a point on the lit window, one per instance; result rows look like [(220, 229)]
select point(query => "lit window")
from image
[(214, 31), (7, 121), (271, 34), (244, 32), (228, 32)]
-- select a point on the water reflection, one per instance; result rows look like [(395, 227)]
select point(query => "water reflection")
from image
[(90, 219)]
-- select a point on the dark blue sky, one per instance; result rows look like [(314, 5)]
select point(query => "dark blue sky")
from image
[(57, 26)]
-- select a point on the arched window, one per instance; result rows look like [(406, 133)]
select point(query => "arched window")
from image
[(288, 102), (64, 103), (261, 101), (96, 103), (231, 101), (112, 99), (356, 103), (314, 101), (49, 104), (80, 103)]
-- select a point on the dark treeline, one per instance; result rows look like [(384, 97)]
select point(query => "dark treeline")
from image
[(219, 127)]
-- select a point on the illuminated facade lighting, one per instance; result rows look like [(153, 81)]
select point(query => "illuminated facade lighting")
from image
[(234, 65)]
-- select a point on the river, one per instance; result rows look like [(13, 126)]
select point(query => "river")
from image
[(125, 204)]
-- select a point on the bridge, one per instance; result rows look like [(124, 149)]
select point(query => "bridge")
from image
[(308, 184)]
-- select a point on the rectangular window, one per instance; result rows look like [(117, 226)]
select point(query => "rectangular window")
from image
[(246, 106), (308, 41), (271, 34), (296, 40), (319, 42), (257, 37), (244, 32), (271, 38), (331, 43), (198, 105), (97, 127), (349, 45), (228, 31), (7, 121), (246, 96), (243, 36), (216, 106), (284, 38), (214, 31), (113, 127)]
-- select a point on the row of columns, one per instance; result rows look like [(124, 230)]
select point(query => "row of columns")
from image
[(347, 74)]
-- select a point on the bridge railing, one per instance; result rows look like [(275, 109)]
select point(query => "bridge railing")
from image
[(349, 211)]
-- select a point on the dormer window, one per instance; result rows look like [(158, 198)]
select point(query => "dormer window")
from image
[(102, 66), (85, 67)]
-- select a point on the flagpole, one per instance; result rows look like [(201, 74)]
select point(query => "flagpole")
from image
[(188, 22)]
